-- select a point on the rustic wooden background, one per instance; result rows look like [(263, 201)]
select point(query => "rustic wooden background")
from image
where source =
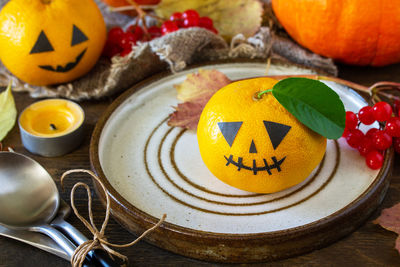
[(370, 245)]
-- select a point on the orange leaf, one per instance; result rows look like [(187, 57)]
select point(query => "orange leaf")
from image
[(390, 220), (196, 90)]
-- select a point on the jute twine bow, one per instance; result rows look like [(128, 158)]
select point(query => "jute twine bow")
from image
[(99, 240)]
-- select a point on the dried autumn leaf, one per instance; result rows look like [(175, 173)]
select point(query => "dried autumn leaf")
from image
[(186, 115), (202, 84), (390, 220), (196, 90), (8, 112), (229, 17)]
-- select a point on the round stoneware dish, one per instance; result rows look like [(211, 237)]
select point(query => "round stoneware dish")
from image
[(150, 168)]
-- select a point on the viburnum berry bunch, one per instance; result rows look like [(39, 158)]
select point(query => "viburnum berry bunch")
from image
[(375, 141), (189, 18), (121, 42)]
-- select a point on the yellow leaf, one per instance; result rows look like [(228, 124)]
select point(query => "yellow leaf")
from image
[(229, 17), (8, 112), (203, 83)]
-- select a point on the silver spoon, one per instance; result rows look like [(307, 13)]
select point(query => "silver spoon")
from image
[(29, 200)]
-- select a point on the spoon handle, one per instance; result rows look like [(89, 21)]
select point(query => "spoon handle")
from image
[(34, 239), (99, 255), (58, 237), (62, 241)]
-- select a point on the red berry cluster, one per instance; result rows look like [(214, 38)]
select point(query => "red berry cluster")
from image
[(372, 144), (187, 19), (120, 42)]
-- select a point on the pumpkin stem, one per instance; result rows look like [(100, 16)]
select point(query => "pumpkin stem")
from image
[(260, 94)]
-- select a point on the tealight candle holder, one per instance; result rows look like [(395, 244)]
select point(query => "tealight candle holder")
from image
[(52, 127)]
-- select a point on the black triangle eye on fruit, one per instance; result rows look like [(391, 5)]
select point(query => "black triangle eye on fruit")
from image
[(229, 130), (77, 36), (276, 132), (42, 44)]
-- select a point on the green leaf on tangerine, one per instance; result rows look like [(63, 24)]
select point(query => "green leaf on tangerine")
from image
[(314, 104)]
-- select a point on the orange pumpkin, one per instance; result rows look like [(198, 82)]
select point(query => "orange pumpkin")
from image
[(351, 31), (46, 42)]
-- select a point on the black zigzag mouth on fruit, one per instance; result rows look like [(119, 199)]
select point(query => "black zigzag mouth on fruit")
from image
[(239, 164), (69, 66)]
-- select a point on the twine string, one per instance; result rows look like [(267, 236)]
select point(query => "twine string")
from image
[(99, 240)]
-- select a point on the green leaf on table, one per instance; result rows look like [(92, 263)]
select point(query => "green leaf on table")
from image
[(8, 112), (314, 104), (229, 17)]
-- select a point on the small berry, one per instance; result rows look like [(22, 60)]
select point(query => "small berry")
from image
[(190, 22), (115, 34), (175, 16), (382, 111), (154, 31), (351, 120), (366, 115), (206, 22), (345, 133), (374, 160), (393, 127), (354, 138), (125, 52), (168, 27), (190, 13), (381, 140), (128, 40), (137, 31), (371, 132), (396, 145), (365, 146), (111, 49)]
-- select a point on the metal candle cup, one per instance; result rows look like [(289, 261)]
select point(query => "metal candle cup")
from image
[(52, 127)]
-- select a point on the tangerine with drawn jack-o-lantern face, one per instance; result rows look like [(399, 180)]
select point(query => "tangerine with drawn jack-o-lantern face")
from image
[(256, 144), (45, 42)]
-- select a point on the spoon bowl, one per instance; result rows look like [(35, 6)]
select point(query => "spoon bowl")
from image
[(28, 194)]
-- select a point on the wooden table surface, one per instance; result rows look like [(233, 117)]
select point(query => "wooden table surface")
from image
[(370, 245)]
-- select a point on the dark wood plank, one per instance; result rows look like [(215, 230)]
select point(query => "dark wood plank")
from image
[(370, 245)]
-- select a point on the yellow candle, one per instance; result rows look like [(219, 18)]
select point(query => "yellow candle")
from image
[(52, 118), (52, 127)]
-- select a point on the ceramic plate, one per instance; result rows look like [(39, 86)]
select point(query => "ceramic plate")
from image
[(150, 169)]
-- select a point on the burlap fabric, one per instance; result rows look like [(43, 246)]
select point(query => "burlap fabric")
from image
[(175, 51)]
